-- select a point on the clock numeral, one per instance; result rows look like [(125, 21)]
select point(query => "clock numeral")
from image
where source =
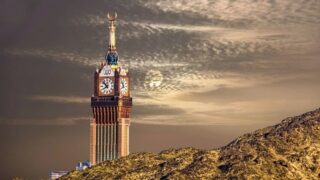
[(107, 72)]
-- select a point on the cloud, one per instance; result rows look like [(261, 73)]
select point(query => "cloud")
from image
[(244, 11), (140, 29), (257, 105), (62, 99), (226, 46), (62, 121), (233, 99), (58, 56)]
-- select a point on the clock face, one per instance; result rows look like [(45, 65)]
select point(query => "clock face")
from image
[(123, 86), (106, 86)]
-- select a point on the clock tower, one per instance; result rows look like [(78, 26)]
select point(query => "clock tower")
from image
[(111, 106)]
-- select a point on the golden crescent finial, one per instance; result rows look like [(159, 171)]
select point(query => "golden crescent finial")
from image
[(112, 18)]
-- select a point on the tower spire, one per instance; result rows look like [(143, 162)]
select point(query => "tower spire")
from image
[(112, 32), (112, 55)]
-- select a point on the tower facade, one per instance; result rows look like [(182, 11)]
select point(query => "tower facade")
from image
[(111, 106)]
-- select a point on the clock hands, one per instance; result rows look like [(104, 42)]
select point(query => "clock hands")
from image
[(104, 85), (107, 85), (123, 87)]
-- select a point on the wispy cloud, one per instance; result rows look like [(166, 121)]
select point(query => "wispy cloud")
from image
[(245, 11), (63, 121), (62, 99), (58, 56), (138, 29), (234, 45)]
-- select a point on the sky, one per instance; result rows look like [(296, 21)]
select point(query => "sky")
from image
[(202, 73)]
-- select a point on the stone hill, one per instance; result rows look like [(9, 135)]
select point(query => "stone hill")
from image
[(289, 150)]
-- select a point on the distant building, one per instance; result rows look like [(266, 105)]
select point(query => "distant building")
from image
[(80, 166), (111, 106), (83, 165), (57, 174)]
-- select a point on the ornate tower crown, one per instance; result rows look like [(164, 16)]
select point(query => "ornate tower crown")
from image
[(112, 55)]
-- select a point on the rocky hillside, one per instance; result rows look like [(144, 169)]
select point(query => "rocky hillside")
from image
[(289, 150)]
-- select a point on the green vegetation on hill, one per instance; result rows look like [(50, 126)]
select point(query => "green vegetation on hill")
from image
[(289, 150)]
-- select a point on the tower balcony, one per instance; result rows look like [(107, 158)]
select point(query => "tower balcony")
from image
[(102, 101)]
